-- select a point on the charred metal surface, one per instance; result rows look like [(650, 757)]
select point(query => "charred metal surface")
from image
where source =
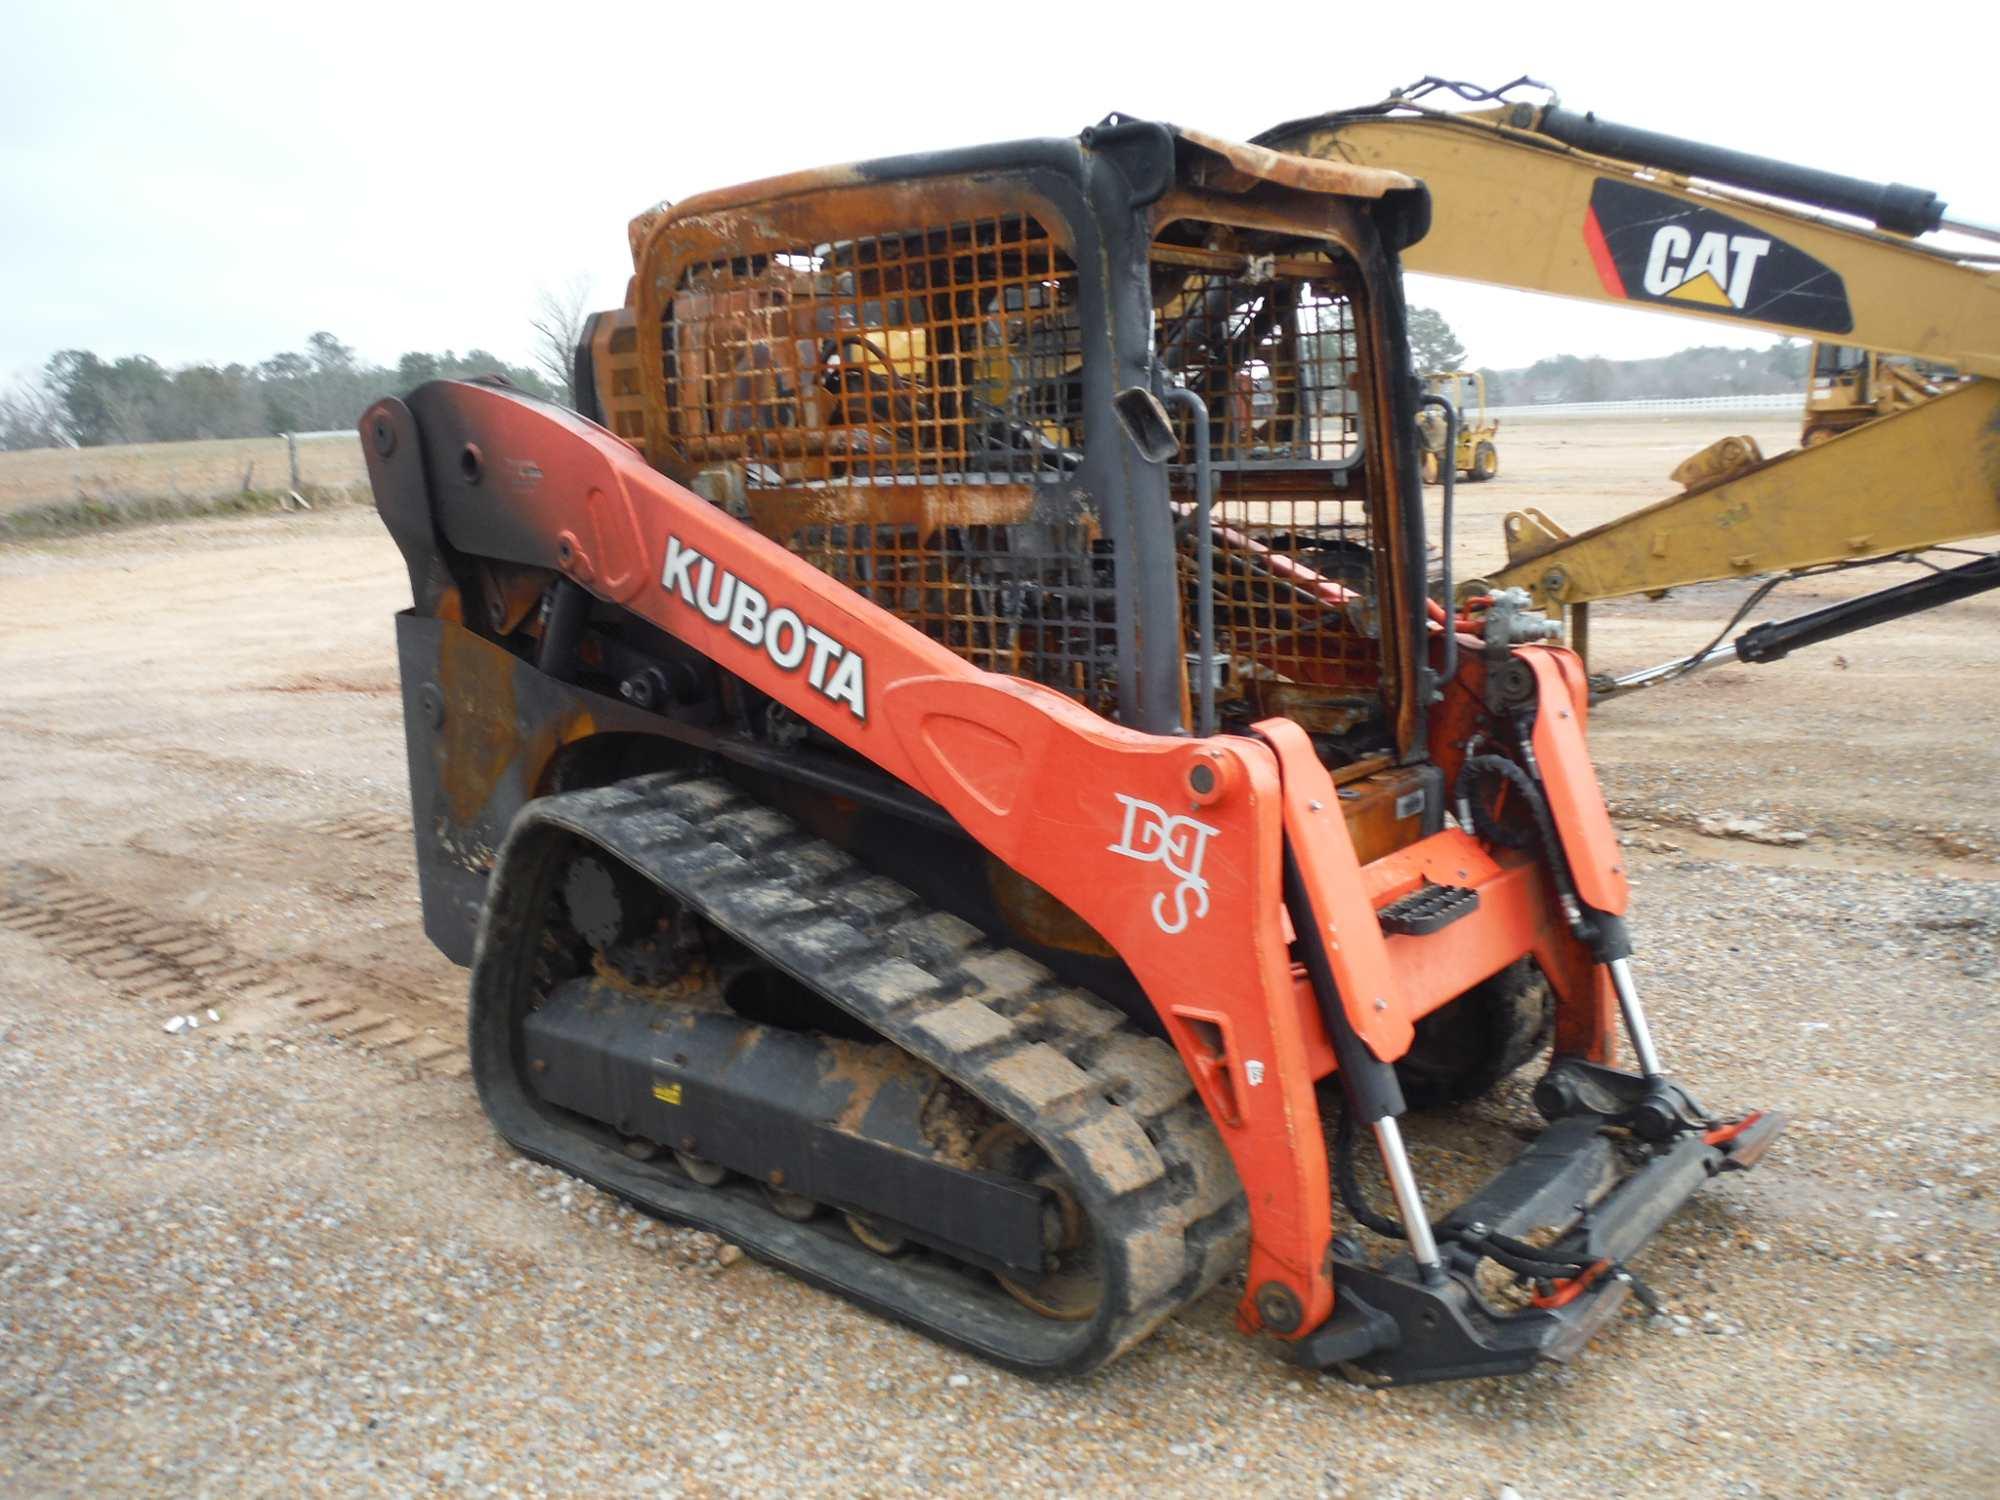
[(813, 349), (486, 731), (607, 369), (1392, 808), (481, 729), (392, 443), (830, 333), (1243, 165)]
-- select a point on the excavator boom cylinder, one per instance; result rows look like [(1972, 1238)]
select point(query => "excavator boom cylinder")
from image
[(1892, 206)]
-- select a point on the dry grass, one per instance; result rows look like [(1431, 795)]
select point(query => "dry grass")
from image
[(50, 490)]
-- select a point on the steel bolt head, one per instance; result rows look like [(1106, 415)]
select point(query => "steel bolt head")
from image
[(1278, 1307)]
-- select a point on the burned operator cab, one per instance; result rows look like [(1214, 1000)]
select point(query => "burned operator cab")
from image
[(907, 374)]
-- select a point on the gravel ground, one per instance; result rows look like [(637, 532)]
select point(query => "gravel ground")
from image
[(253, 1265), (284, 1252)]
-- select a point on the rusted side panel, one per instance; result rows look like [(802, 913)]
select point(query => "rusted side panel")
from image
[(483, 730)]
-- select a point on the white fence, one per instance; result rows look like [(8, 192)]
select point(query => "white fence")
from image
[(1782, 402)]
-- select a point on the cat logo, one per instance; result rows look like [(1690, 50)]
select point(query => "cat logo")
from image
[(1715, 272), (1653, 247)]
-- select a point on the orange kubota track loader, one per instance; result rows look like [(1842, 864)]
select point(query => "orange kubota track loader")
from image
[(957, 781)]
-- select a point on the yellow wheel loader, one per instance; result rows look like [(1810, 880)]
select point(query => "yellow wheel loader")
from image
[(1476, 454)]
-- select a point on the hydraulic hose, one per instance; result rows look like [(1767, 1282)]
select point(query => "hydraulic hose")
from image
[(1349, 1186), (1603, 933), (1483, 822)]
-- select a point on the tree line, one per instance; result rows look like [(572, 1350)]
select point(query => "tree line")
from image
[(1707, 370), (82, 399), (1703, 370)]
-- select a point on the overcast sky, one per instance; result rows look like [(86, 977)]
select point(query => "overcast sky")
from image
[(205, 181)]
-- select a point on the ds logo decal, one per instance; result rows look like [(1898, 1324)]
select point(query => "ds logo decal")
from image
[(1153, 835), (1650, 247), (835, 670)]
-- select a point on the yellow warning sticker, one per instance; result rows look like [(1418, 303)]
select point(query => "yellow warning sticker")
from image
[(666, 1093)]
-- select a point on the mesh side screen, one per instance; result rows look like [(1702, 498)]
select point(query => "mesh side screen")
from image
[(1274, 357), (1032, 600), (906, 412), (1274, 360), (949, 355)]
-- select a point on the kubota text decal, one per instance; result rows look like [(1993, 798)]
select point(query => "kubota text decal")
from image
[(832, 668), (1649, 247)]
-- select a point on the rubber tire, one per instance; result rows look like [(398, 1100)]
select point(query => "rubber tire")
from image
[(1464, 1049), (1485, 464)]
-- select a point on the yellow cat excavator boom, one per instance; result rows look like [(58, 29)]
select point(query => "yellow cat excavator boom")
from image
[(1549, 200)]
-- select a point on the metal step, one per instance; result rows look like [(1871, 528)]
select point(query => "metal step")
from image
[(1428, 909)]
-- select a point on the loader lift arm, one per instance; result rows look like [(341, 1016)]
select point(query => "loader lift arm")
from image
[(1548, 200)]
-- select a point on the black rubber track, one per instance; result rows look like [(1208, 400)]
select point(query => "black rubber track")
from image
[(1111, 1106)]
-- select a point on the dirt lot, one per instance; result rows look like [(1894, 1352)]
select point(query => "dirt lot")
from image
[(284, 1252)]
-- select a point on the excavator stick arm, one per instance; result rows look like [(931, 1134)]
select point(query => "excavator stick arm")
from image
[(1915, 479)]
